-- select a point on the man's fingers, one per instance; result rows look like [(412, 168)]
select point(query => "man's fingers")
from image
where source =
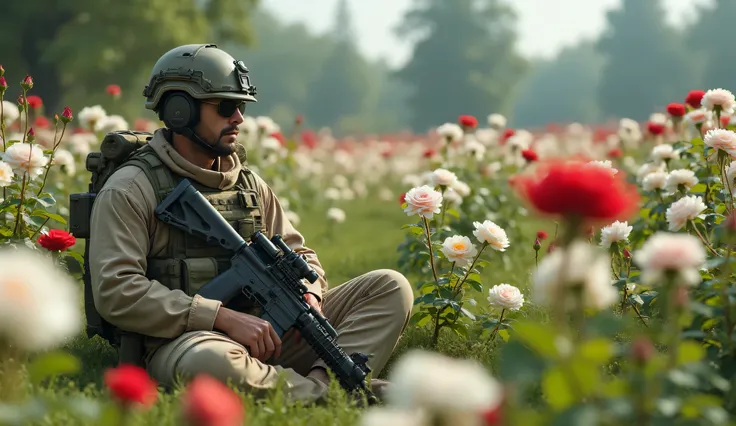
[(276, 341), (261, 349), (270, 347), (254, 351)]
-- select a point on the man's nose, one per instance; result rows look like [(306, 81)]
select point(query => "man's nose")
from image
[(237, 117)]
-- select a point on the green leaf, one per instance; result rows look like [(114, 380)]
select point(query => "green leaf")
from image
[(598, 351), (52, 364), (504, 334), (556, 389), (76, 256), (689, 351), (540, 337), (46, 215), (467, 313)]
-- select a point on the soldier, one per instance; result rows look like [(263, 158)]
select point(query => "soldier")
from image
[(145, 274)]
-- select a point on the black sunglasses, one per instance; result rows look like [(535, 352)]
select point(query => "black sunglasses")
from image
[(226, 107)]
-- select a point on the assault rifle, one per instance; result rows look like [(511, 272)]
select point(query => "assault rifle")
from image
[(269, 272)]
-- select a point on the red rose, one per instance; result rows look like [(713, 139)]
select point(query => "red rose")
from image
[(566, 189), (694, 98), (506, 135), (208, 402), (615, 153), (309, 139), (113, 89), (41, 122), (655, 128), (529, 155), (279, 137), (429, 153), (676, 110), (468, 121), (492, 417), (56, 240), (130, 384), (34, 101), (541, 235), (725, 120)]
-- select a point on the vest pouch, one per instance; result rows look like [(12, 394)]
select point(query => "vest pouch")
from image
[(165, 271), (198, 272), (246, 228)]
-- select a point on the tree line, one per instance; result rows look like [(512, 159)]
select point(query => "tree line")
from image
[(464, 61)]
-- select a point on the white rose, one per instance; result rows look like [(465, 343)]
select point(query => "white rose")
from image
[(722, 139), (443, 177), (606, 164), (423, 201), (492, 234), (721, 98), (6, 174), (652, 181), (497, 121), (336, 214), (684, 209), (664, 152), (459, 249), (10, 112), (450, 131), (89, 116), (25, 157), (679, 177), (615, 232), (506, 296), (461, 188), (683, 254)]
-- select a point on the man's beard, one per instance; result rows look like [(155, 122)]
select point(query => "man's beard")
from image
[(219, 147)]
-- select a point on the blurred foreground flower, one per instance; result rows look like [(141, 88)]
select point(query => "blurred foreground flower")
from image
[(568, 190), (456, 392), (130, 386), (39, 303), (209, 402), (577, 267)]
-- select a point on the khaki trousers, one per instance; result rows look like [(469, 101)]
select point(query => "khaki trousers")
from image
[(369, 313)]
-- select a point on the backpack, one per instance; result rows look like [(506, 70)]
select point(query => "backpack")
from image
[(115, 149)]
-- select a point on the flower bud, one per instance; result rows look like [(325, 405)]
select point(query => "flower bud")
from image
[(730, 222), (66, 116), (2, 71), (27, 83), (627, 253), (642, 350), (537, 245), (31, 136), (3, 85)]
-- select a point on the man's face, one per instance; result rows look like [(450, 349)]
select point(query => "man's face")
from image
[(218, 124)]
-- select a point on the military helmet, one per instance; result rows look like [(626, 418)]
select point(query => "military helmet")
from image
[(201, 70)]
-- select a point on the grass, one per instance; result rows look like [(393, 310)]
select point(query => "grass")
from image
[(366, 241)]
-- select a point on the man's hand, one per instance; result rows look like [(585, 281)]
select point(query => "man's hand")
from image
[(312, 301), (250, 331)]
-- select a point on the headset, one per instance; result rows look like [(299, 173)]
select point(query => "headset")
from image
[(180, 113)]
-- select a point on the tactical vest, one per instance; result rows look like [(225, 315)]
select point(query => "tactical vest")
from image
[(188, 262)]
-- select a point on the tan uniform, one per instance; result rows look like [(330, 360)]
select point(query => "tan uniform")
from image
[(369, 312)]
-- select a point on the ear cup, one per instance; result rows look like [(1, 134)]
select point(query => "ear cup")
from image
[(180, 110)]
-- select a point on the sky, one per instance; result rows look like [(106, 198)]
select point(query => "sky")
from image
[(544, 26)]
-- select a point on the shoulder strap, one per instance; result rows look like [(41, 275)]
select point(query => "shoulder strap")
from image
[(247, 179), (158, 174)]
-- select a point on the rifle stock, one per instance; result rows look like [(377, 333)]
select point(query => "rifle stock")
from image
[(270, 273)]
